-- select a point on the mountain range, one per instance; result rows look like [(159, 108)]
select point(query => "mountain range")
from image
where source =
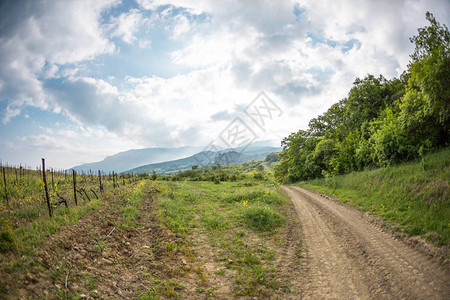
[(209, 158), (169, 160), (130, 159)]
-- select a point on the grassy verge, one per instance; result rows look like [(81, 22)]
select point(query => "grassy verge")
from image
[(239, 223), (413, 197)]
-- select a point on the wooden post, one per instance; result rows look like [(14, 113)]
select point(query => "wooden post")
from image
[(100, 181), (4, 181), (53, 182), (45, 186), (75, 186), (114, 180)]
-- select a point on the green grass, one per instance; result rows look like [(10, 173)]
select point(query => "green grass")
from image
[(262, 218), (413, 197), (130, 205), (29, 236), (240, 220)]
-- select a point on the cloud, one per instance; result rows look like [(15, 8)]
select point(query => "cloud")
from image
[(222, 116), (181, 26), (38, 37), (127, 25)]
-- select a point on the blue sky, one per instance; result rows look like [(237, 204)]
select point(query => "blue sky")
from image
[(80, 80)]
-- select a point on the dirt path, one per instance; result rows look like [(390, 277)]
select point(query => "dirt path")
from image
[(349, 258)]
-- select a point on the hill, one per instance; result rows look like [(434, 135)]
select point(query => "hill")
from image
[(208, 158), (126, 160)]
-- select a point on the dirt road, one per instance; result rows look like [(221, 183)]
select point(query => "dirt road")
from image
[(349, 258)]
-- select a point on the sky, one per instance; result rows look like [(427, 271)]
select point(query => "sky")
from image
[(82, 79)]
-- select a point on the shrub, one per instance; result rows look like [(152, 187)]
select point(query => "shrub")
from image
[(7, 241), (262, 218)]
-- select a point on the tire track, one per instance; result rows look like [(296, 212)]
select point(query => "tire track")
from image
[(352, 259)]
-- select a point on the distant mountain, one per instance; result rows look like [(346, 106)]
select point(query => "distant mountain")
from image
[(137, 157), (208, 158)]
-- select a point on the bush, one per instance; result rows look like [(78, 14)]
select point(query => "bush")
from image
[(262, 218), (258, 176), (260, 196), (7, 241)]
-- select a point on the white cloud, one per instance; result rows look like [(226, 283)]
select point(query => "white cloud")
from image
[(127, 25), (181, 26), (40, 37)]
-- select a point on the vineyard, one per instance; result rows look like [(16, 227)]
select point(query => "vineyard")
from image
[(27, 195)]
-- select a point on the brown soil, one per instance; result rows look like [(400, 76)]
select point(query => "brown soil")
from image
[(350, 258)]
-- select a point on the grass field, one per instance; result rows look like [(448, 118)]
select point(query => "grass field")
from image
[(233, 226), (413, 197)]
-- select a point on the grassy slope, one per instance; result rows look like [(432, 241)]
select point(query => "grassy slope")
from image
[(413, 197)]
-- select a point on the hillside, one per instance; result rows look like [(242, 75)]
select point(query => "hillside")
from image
[(208, 158), (126, 160), (412, 197)]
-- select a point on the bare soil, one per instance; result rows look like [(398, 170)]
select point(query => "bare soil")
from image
[(351, 258)]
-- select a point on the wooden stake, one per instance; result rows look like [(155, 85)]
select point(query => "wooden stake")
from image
[(75, 186), (4, 181), (53, 182), (45, 186), (100, 181)]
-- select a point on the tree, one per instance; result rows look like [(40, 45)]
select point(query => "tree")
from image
[(272, 157), (429, 82), (154, 175), (369, 97)]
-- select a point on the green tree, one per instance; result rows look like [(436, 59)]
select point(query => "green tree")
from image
[(154, 175), (272, 157), (428, 89)]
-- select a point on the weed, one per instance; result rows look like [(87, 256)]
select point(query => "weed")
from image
[(90, 283)]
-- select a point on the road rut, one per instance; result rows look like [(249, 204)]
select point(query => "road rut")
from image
[(349, 258)]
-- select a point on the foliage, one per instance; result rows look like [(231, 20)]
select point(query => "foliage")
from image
[(219, 173), (272, 157), (381, 122)]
